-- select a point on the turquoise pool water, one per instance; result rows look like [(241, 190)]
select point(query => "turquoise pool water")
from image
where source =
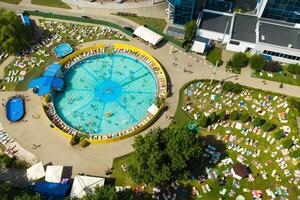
[(106, 93), (62, 50)]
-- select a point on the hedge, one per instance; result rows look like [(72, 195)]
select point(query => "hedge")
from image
[(288, 143), (295, 154), (78, 19), (234, 115), (278, 135)]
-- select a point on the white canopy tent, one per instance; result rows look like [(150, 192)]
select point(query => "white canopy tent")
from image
[(36, 171), (148, 35), (84, 185), (153, 109), (198, 47), (54, 173)]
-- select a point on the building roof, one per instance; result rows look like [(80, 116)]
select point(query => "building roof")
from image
[(52, 70), (55, 191), (148, 35), (244, 28), (279, 35), (240, 169), (215, 22), (44, 84)]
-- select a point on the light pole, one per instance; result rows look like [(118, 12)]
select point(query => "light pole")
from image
[(214, 72)]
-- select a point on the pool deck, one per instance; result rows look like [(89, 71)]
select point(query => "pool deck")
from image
[(95, 159)]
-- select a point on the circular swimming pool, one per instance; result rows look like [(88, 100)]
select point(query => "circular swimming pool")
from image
[(106, 93)]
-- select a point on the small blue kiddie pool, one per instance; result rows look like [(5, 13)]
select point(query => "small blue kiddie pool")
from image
[(15, 109), (62, 50)]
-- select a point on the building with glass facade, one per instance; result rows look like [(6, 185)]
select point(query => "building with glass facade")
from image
[(185, 10), (283, 10)]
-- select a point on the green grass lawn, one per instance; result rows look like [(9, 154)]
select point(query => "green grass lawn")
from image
[(11, 1), (282, 77), (64, 32), (51, 3), (157, 23), (121, 177), (214, 55)]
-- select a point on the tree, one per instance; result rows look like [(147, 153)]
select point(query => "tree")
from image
[(8, 192), (232, 87), (234, 115), (213, 118), (257, 122), (14, 36), (278, 135), (273, 67), (190, 30), (288, 143), (257, 62), (105, 192), (239, 60), (295, 154), (267, 127), (244, 118), (294, 68), (222, 115), (165, 155), (203, 121)]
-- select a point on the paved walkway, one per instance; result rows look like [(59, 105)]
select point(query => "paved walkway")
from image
[(95, 158)]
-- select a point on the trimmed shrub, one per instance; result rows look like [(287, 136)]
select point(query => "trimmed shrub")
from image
[(257, 122), (232, 87), (234, 115), (203, 122), (257, 62), (244, 118), (288, 143), (222, 115), (213, 118), (298, 165), (273, 67), (278, 135), (295, 154), (84, 143), (294, 68), (267, 127), (239, 60)]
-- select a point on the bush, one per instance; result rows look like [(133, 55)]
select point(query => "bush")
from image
[(232, 87), (257, 122), (213, 118), (222, 115), (288, 143), (244, 118), (272, 67), (267, 127), (5, 161), (278, 135), (257, 62), (84, 143), (294, 68), (239, 60), (295, 154), (203, 122), (234, 115)]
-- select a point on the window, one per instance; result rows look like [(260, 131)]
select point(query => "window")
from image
[(234, 42)]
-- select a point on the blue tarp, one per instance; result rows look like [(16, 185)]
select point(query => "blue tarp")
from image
[(15, 109), (53, 191), (44, 84), (52, 70), (26, 20)]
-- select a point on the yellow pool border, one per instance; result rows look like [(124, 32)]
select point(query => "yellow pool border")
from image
[(139, 129)]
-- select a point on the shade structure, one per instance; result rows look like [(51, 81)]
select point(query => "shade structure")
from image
[(239, 171), (43, 85), (84, 185), (35, 172), (148, 35), (54, 173), (198, 47), (55, 191)]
